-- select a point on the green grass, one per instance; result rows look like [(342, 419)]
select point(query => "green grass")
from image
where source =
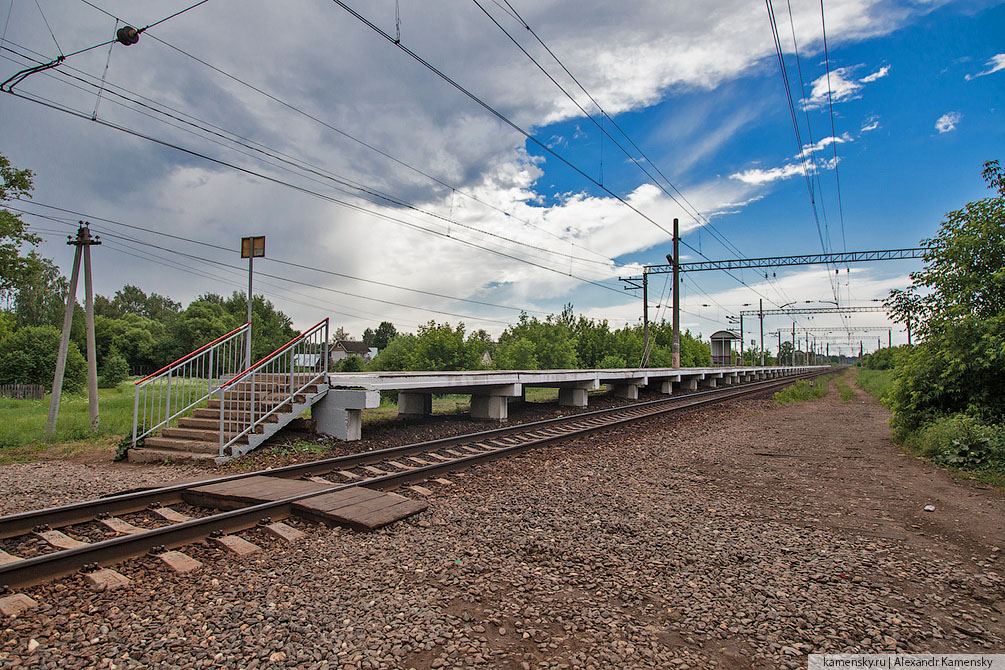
[(802, 390), (22, 431), (876, 383), (847, 392)]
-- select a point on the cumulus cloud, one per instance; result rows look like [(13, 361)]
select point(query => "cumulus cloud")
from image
[(947, 122), (336, 78)]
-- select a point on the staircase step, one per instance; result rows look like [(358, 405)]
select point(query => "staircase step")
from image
[(148, 455), (180, 445), (204, 423), (199, 434)]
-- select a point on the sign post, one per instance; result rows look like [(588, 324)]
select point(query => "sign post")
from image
[(251, 248)]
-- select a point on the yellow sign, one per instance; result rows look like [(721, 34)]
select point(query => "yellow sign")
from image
[(253, 247)]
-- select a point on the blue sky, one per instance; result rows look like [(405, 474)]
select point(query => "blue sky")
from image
[(918, 100)]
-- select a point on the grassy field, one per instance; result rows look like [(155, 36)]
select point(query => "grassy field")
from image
[(22, 432), (876, 383)]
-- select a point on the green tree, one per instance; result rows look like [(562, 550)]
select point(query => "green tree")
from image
[(516, 354), (553, 339), (40, 296), (14, 235), (114, 369), (379, 338), (29, 357), (397, 355), (959, 366), (351, 364), (441, 347)]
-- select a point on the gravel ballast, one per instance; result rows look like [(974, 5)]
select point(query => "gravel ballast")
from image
[(740, 536)]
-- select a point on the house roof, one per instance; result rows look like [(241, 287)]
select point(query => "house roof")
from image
[(353, 347)]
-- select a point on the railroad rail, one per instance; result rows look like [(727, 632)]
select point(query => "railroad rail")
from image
[(428, 459)]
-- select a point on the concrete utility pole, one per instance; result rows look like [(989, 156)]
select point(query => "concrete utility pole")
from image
[(742, 363), (645, 319), (83, 243), (675, 345), (761, 310), (793, 344)]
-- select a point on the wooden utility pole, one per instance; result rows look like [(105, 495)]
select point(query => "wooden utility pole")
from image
[(83, 243), (675, 345)]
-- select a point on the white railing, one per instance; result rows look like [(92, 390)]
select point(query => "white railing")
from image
[(272, 385), (176, 388)]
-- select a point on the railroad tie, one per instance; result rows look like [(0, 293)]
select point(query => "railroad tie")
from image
[(401, 466), (6, 558), (236, 545), (120, 526), (284, 532), (179, 562), (106, 580), (171, 515), (60, 540), (352, 476), (15, 604)]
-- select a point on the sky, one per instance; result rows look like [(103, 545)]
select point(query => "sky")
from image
[(413, 161)]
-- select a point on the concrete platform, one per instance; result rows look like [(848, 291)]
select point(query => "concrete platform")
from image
[(492, 391)]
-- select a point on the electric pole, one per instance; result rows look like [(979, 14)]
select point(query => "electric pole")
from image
[(83, 243), (675, 345), (760, 309), (889, 338), (645, 319), (793, 362)]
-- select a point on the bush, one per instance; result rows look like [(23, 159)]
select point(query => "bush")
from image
[(114, 370), (351, 364), (802, 390), (961, 441), (29, 357), (884, 359)]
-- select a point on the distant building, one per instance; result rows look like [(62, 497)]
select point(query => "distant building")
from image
[(346, 348)]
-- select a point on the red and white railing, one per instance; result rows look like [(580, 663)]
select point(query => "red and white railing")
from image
[(165, 395), (271, 386)]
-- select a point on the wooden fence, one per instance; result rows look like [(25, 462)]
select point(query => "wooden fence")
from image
[(33, 391)]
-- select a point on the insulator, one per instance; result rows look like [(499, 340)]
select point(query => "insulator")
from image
[(127, 35)]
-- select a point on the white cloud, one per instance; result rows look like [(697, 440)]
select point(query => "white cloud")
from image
[(870, 124), (326, 64), (947, 122), (843, 86), (757, 176), (878, 74), (995, 64)]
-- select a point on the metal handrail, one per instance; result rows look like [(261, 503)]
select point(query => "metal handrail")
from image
[(190, 380), (252, 396)]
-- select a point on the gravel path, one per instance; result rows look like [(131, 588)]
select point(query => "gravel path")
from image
[(740, 536)]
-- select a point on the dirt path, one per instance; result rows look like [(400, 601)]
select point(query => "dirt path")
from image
[(739, 536)]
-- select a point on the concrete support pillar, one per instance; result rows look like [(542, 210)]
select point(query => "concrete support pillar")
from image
[(573, 397), (666, 388), (709, 382), (691, 384), (414, 405), (489, 407), (340, 413), (626, 391)]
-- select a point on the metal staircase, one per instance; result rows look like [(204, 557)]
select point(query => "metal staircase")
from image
[(226, 415)]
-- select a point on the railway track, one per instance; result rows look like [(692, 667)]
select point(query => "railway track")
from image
[(127, 525)]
